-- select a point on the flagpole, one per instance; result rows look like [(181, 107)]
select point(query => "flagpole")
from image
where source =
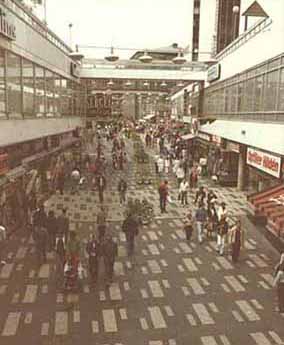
[(45, 12)]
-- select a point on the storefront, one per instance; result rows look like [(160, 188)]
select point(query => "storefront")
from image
[(13, 205), (264, 169)]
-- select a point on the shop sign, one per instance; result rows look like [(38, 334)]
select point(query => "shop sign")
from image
[(233, 147), (264, 162), (4, 164), (214, 73), (204, 136), (7, 29)]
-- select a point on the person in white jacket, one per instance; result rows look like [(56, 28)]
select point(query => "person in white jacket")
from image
[(180, 174), (183, 190), (167, 165), (160, 163)]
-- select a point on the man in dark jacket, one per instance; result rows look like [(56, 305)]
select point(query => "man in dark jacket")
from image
[(51, 226), (130, 227), (109, 252), (101, 186), (200, 196), (122, 189), (163, 193), (63, 226), (93, 250), (41, 240)]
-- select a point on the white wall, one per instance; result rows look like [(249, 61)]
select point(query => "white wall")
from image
[(16, 131), (265, 45), (207, 29)]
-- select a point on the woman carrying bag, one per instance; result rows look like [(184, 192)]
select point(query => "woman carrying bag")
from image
[(237, 240)]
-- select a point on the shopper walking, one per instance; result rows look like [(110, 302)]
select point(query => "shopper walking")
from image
[(122, 189), (130, 227), (51, 225), (101, 186), (93, 250), (101, 223), (200, 196), (3, 237), (188, 226), (109, 252), (279, 282), (41, 242), (163, 193), (63, 226), (222, 232), (200, 218), (183, 191), (237, 240)]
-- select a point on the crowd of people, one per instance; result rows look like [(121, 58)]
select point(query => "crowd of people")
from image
[(175, 161)]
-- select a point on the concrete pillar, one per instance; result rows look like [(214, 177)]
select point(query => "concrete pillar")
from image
[(241, 168)]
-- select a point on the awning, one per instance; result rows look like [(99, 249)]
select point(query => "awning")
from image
[(187, 136), (266, 136), (148, 117)]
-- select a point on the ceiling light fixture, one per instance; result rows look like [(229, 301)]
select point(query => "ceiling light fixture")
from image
[(146, 58), (112, 57)]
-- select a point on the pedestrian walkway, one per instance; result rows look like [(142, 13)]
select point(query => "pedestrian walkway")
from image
[(171, 293)]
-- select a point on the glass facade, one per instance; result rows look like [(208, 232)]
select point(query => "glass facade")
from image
[(258, 90), (30, 91)]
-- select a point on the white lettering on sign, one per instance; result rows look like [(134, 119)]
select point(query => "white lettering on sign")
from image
[(264, 161)]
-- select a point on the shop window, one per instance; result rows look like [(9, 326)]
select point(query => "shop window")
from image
[(40, 92), (49, 84), (57, 95), (14, 86), (270, 90), (2, 85), (281, 90), (258, 93), (28, 89)]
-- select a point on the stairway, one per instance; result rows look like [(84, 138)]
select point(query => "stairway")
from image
[(269, 204)]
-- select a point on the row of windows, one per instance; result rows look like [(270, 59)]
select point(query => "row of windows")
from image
[(27, 90), (257, 90)]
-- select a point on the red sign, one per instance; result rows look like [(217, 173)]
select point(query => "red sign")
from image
[(264, 161), (4, 166)]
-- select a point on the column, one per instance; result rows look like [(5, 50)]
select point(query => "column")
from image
[(241, 168)]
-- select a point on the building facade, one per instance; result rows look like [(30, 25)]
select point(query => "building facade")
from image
[(41, 110)]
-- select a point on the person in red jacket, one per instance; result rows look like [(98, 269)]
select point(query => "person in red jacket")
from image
[(163, 192)]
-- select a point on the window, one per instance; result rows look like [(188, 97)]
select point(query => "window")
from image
[(49, 84), (14, 86), (281, 90), (28, 89), (3, 110), (270, 90), (240, 97), (258, 94), (40, 92), (57, 95)]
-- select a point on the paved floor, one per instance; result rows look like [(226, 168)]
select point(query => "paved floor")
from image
[(170, 293)]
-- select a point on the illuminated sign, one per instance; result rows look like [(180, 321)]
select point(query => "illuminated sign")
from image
[(7, 29), (214, 73), (264, 161)]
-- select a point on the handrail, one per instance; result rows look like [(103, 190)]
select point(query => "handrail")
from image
[(27, 16), (244, 37)]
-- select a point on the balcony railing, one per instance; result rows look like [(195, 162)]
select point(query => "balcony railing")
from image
[(245, 37), (23, 12)]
